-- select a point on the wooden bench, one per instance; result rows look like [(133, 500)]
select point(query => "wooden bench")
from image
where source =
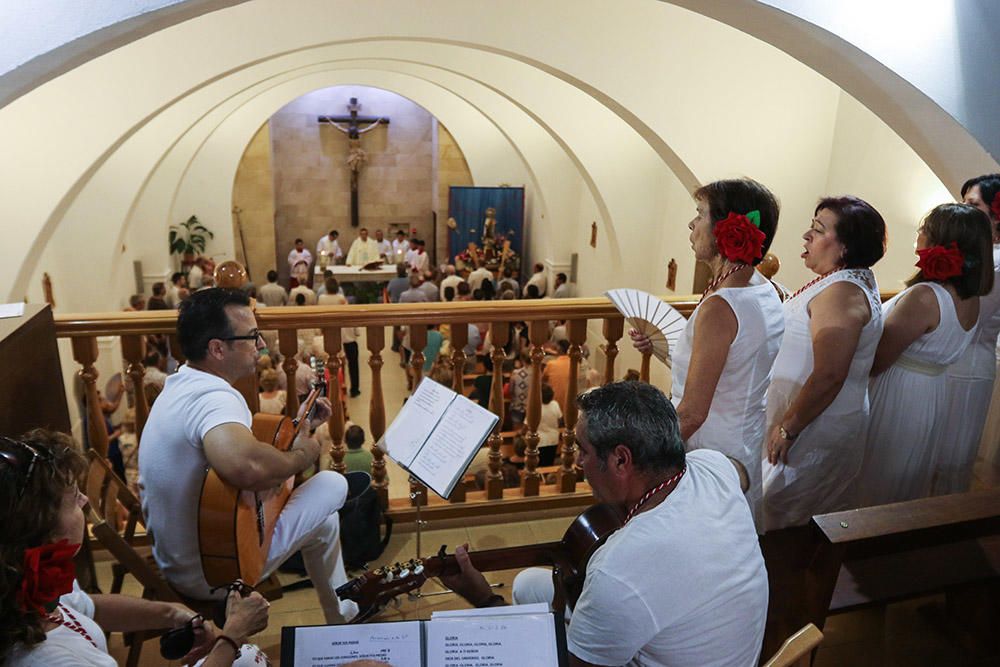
[(873, 556)]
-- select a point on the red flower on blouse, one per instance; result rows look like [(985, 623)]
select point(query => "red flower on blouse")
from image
[(940, 262), (48, 573), (738, 239)]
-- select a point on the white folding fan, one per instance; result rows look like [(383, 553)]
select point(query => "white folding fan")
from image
[(662, 324)]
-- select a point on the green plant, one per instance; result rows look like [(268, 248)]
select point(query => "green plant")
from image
[(189, 237)]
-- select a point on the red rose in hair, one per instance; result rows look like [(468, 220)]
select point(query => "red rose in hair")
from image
[(738, 239), (995, 206), (48, 573), (941, 262)]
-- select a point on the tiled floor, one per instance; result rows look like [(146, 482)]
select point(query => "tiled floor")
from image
[(910, 634)]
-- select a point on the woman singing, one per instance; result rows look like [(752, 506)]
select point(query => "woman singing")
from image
[(722, 362), (817, 403)]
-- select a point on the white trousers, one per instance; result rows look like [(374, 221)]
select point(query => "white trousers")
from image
[(309, 522)]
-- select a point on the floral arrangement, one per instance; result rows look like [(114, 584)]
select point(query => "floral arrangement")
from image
[(48, 573), (941, 262), (739, 238), (465, 259)]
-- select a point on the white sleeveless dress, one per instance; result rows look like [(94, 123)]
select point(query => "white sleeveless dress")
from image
[(736, 418), (970, 386), (826, 457), (909, 409)]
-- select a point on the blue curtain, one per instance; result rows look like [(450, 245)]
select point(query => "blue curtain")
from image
[(468, 206)]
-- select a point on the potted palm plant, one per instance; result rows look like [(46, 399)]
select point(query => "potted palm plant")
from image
[(188, 239)]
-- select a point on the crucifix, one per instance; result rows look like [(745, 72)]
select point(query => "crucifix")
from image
[(356, 157)]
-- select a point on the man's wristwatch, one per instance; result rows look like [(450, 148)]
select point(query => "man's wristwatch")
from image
[(785, 434)]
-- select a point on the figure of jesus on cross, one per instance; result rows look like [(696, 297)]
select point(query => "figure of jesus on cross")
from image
[(357, 157)]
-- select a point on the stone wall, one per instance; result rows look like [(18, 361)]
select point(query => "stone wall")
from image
[(312, 179), (451, 170), (253, 193)]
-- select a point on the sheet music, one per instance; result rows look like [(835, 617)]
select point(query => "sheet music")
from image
[(533, 608), (517, 640), (397, 644), (453, 444), (15, 309), (407, 433)]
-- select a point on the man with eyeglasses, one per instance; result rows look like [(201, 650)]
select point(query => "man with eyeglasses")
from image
[(201, 421)]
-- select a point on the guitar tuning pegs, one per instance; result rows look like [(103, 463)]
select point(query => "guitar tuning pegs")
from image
[(418, 569), (443, 551), (404, 572), (388, 577)]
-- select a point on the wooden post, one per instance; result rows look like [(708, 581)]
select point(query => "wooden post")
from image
[(174, 346), (644, 368), (538, 333), (85, 354), (566, 478), (614, 327), (376, 415), (459, 339), (134, 349), (288, 345), (331, 345), (499, 335), (418, 341)]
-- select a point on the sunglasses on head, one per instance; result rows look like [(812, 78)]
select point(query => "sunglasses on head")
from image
[(23, 458)]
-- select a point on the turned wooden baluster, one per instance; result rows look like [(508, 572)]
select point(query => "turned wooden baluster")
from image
[(499, 335), (614, 327), (459, 339), (577, 330), (85, 354), (331, 345), (134, 349), (288, 345), (174, 346), (644, 368), (418, 341), (376, 415), (538, 334)]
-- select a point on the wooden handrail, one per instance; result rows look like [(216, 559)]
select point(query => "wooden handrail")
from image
[(381, 314)]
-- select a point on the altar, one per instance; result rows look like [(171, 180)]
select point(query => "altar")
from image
[(357, 274)]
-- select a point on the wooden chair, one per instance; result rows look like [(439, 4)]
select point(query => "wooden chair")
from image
[(108, 493), (797, 649)]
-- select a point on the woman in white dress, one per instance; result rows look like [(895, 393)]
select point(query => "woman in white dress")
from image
[(970, 379), (722, 362), (927, 327), (817, 402)]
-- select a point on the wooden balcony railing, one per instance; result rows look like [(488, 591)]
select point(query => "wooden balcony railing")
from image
[(533, 493)]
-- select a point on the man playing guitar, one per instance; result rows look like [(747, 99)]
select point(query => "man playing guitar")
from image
[(682, 582), (200, 421)]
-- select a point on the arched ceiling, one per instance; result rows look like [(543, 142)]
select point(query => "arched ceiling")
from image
[(602, 113)]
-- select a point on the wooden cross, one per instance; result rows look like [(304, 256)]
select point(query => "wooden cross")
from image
[(357, 157)]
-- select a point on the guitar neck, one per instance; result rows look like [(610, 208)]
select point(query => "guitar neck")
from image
[(531, 555)]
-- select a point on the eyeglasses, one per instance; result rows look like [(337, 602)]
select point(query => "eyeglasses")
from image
[(14, 452), (253, 335)]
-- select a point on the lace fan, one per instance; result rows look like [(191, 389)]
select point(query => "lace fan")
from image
[(653, 318)]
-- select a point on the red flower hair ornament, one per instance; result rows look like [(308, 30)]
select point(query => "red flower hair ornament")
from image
[(739, 238), (48, 573), (941, 262), (995, 206)]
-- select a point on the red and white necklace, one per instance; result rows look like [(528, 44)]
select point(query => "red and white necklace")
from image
[(659, 488), (812, 282), (719, 280), (68, 620)]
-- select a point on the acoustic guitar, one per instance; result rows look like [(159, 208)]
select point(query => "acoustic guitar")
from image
[(568, 559), (235, 527)]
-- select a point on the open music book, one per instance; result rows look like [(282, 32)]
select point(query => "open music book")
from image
[(501, 636), (436, 435), (653, 318)]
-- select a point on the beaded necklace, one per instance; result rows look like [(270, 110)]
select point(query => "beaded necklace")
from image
[(718, 281), (68, 620), (653, 491), (812, 282)]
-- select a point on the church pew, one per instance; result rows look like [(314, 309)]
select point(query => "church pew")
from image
[(844, 561)]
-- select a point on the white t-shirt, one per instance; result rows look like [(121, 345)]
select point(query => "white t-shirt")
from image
[(682, 584), (548, 424), (172, 468)]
